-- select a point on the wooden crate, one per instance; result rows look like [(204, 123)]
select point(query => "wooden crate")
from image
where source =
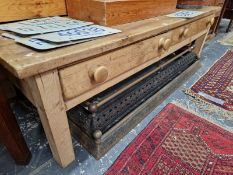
[(114, 12), (11, 10)]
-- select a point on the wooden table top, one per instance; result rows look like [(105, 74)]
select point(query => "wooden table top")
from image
[(24, 62)]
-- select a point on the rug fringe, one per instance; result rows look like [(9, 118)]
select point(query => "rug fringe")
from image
[(205, 116), (208, 107), (224, 40)]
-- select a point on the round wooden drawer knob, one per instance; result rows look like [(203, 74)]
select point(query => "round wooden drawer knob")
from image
[(99, 74), (185, 32), (161, 43), (165, 43), (211, 22)]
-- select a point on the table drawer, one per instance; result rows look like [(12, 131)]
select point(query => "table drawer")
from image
[(107, 70), (84, 76), (182, 33)]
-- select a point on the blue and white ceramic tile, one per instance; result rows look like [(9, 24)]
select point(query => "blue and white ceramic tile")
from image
[(86, 32), (185, 14), (43, 25), (40, 44)]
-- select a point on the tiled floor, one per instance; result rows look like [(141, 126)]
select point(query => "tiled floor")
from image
[(42, 162)]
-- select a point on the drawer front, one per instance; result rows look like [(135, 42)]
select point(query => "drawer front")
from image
[(107, 70), (182, 33), (80, 78)]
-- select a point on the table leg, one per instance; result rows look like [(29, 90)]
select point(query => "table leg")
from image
[(10, 134), (221, 16), (229, 26), (48, 99), (199, 44)]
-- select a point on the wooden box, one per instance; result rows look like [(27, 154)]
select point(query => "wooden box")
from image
[(114, 12), (12, 10)]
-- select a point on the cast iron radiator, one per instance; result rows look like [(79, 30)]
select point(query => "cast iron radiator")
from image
[(97, 115)]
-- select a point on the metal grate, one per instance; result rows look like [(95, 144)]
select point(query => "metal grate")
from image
[(111, 112)]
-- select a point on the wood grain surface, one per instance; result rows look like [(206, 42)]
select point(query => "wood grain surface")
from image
[(46, 91), (75, 79), (24, 62), (115, 12), (11, 10)]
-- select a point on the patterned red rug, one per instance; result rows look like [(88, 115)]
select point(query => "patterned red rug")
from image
[(177, 142), (216, 86)]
